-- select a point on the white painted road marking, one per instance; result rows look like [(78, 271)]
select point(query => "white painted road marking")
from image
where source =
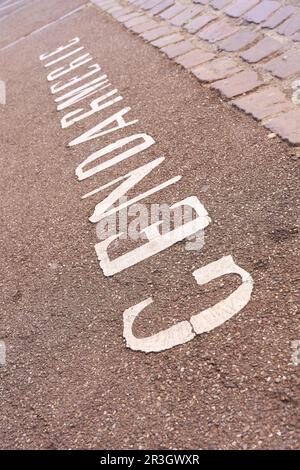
[(202, 322), (198, 323), (5, 6), (17, 41), (2, 353)]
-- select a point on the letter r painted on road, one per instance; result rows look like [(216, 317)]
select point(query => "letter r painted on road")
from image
[(60, 71), (59, 49)]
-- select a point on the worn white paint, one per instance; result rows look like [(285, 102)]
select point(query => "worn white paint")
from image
[(296, 352), (6, 15), (7, 5), (2, 92), (2, 4), (57, 87), (96, 105), (78, 62), (94, 132), (37, 31), (76, 92), (177, 334), (157, 242), (215, 316), (131, 179), (82, 174), (80, 93), (56, 51), (63, 57), (202, 322)]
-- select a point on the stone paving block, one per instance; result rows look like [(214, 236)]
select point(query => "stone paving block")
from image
[(107, 2), (142, 27), (135, 20), (150, 4), (172, 11), (285, 65), (145, 3), (238, 83), (238, 41), (166, 40), (290, 26), (261, 50), (203, 2), (162, 6), (217, 31), (199, 22), (287, 126), (264, 103), (186, 15), (100, 3), (282, 14), (158, 32), (296, 37), (179, 48), (112, 4), (128, 16), (114, 9), (216, 69), (194, 58), (262, 11), (219, 4), (238, 7), (115, 4), (106, 5), (124, 12)]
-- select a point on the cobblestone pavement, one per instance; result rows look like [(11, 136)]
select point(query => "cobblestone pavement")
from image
[(89, 113), (248, 50)]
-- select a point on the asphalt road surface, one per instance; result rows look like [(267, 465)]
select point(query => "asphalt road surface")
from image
[(69, 378)]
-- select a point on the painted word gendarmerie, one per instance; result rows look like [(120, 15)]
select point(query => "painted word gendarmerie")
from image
[(70, 87)]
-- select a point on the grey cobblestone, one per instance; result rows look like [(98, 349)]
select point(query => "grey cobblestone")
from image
[(277, 18), (264, 48)]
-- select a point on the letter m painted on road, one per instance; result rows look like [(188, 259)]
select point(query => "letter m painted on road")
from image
[(2, 92)]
